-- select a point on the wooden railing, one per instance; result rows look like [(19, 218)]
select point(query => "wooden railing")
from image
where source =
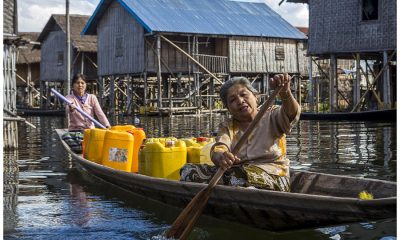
[(215, 64)]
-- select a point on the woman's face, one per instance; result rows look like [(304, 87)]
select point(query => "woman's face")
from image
[(79, 87), (242, 103)]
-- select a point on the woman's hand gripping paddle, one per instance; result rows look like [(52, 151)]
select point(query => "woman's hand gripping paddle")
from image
[(185, 222), (59, 95)]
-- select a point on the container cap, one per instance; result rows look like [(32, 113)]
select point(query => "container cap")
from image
[(201, 139), (170, 143)]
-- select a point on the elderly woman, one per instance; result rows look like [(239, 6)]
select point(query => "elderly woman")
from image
[(264, 154)]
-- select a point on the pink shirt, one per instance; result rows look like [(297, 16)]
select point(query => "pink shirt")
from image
[(91, 106)]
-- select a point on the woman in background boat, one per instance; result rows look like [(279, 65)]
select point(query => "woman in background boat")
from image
[(77, 123), (264, 153), (87, 102)]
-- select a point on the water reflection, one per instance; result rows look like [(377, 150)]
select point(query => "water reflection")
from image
[(350, 148), (50, 197)]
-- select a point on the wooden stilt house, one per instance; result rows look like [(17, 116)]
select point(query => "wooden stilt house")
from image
[(173, 55), (10, 126), (363, 31), (10, 44), (54, 57), (28, 72)]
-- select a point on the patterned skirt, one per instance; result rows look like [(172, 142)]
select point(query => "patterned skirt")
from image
[(74, 140), (246, 175)]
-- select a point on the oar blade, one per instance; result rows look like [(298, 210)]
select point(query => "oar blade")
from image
[(189, 212)]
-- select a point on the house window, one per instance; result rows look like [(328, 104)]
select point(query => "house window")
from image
[(119, 47), (369, 10), (279, 53), (60, 58)]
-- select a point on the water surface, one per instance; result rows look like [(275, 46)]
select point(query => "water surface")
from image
[(51, 198)]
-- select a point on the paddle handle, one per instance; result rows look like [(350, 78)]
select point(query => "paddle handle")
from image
[(59, 95)]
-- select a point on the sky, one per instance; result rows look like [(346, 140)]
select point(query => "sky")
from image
[(34, 14)]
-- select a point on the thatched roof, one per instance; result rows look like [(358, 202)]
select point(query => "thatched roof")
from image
[(27, 53), (77, 22)]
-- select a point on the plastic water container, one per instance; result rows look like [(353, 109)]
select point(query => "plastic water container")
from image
[(139, 135), (162, 157), (205, 154), (85, 142), (118, 150), (123, 128), (95, 145), (194, 147)]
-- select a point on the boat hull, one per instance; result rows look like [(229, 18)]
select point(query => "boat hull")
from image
[(260, 208)]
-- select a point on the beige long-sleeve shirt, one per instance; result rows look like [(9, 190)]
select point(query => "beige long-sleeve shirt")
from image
[(91, 106), (266, 146)]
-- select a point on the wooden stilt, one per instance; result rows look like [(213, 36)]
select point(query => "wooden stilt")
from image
[(311, 85), (159, 96), (333, 83)]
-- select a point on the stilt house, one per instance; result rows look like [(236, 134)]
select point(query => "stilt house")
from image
[(54, 57), (10, 126), (173, 55), (28, 71), (362, 30), (10, 44)]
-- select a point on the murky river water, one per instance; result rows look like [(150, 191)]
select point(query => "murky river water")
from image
[(50, 198)]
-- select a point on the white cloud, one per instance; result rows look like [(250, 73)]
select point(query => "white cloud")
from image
[(295, 13), (34, 14)]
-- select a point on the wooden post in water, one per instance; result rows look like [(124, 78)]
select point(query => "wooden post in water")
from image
[(159, 96), (112, 95), (311, 85), (357, 80), (68, 51), (333, 83), (82, 62), (28, 83), (387, 95), (145, 92)]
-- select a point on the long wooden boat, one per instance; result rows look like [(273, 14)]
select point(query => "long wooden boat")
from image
[(379, 115), (316, 199), (40, 112)]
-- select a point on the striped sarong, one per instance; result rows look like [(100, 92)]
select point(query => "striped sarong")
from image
[(246, 175), (74, 140)]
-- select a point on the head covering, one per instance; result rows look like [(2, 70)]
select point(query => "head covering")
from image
[(223, 93)]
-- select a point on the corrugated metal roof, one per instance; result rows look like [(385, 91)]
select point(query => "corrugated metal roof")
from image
[(210, 17)]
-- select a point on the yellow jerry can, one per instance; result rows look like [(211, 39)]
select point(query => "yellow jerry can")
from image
[(95, 145), (162, 157), (118, 150), (85, 142), (139, 135), (123, 128), (194, 147)]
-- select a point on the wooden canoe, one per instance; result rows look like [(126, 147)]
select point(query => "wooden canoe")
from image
[(40, 112), (379, 115), (316, 199)]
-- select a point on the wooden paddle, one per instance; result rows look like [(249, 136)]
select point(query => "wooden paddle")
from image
[(185, 222), (85, 114)]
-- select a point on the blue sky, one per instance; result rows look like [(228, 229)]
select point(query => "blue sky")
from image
[(33, 14)]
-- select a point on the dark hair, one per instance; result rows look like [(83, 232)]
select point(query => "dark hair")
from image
[(76, 77)]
